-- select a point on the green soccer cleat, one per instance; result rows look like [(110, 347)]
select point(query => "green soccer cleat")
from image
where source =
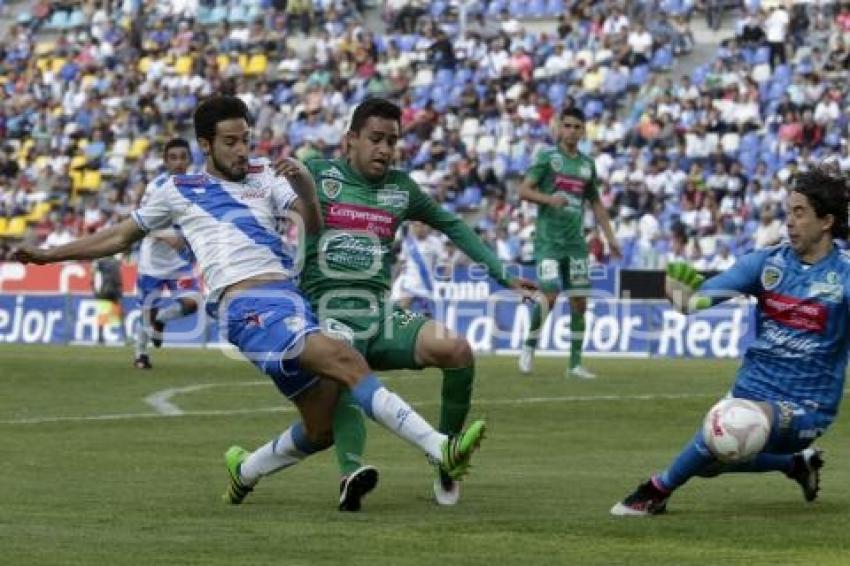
[(236, 490), (458, 449)]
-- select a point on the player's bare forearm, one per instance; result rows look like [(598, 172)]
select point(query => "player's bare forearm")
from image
[(302, 183), (604, 222), (110, 241), (528, 191)]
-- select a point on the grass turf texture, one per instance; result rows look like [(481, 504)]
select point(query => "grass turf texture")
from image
[(132, 487)]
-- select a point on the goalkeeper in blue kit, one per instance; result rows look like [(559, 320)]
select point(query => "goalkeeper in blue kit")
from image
[(794, 369)]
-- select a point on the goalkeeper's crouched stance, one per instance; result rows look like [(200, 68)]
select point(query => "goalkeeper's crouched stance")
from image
[(794, 369)]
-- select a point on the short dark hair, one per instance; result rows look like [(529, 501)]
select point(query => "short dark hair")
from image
[(374, 106), (827, 192), (177, 142), (215, 109), (573, 112)]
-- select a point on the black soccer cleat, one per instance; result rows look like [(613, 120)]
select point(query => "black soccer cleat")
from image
[(157, 328), (354, 487), (646, 500), (142, 361), (805, 470)]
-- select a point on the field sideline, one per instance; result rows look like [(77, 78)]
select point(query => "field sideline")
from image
[(95, 473)]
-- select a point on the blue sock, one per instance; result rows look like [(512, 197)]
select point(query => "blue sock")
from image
[(302, 443), (693, 460), (763, 462), (363, 392)]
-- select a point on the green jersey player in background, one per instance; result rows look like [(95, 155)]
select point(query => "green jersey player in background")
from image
[(561, 181), (347, 277)]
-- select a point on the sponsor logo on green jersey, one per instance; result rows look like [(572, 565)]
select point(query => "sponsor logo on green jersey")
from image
[(391, 196)]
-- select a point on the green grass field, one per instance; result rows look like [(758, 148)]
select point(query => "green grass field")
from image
[(92, 475)]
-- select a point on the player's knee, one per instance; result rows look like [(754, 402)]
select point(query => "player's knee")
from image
[(345, 364), (458, 353)]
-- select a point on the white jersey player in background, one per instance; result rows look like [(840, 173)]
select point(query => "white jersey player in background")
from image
[(165, 262), (229, 215), (421, 251)]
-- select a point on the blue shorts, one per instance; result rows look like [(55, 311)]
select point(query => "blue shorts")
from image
[(795, 427), (268, 324), (151, 288)]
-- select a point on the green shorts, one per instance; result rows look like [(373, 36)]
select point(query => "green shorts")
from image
[(562, 274), (386, 338)]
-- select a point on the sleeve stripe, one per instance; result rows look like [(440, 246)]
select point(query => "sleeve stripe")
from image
[(138, 219)]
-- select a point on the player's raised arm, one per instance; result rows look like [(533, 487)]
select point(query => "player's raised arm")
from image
[(302, 183), (108, 242), (424, 208), (689, 291)]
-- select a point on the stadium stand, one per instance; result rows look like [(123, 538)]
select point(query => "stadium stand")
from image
[(92, 89)]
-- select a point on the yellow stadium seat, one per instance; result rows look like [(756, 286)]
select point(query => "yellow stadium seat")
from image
[(44, 48), (223, 61), (4, 224), (243, 61), (138, 148), (183, 65), (57, 63), (76, 179), (17, 227), (77, 162), (257, 65), (38, 212), (43, 63), (41, 162), (88, 80), (91, 180), (144, 64)]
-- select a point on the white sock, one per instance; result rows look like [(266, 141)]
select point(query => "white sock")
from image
[(172, 311), (391, 411), (269, 458), (141, 340)]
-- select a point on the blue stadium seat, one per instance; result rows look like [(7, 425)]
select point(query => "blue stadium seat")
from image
[(698, 75), (556, 93), (518, 8), (438, 8), (762, 55), (662, 59), (536, 8), (555, 8), (495, 8), (463, 76), (58, 20), (444, 78), (639, 75), (76, 19), (593, 108)]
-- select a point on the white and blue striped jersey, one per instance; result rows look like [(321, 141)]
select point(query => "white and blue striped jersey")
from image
[(157, 258), (230, 226)]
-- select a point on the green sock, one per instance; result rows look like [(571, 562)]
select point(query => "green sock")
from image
[(576, 339), (349, 429), (457, 396), (536, 323)]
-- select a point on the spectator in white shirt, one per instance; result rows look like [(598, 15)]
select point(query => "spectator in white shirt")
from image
[(769, 230)]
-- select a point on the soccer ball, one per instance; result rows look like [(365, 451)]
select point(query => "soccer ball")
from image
[(735, 430)]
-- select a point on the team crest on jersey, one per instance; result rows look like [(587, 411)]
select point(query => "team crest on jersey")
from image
[(331, 188), (771, 277), (556, 162), (584, 171), (391, 196), (333, 173)]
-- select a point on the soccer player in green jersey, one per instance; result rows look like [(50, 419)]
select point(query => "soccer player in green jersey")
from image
[(346, 276), (561, 181)]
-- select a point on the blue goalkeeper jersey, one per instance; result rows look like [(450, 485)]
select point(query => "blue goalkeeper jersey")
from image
[(801, 345)]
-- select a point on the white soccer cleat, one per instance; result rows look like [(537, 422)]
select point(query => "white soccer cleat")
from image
[(446, 490), (526, 360), (581, 372)]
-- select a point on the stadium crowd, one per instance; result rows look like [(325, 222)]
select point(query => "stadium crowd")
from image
[(690, 167)]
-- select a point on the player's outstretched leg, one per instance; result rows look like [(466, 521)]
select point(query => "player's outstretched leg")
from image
[(336, 360)]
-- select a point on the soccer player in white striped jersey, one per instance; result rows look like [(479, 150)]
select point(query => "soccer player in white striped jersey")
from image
[(165, 262), (229, 215)]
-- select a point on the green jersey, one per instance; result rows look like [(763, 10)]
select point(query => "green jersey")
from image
[(559, 230), (354, 249)]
